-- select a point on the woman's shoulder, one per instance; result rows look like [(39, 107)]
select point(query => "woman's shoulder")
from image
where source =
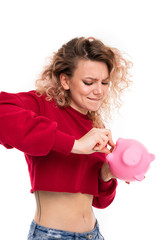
[(31, 100)]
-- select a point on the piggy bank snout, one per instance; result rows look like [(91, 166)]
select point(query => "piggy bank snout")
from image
[(132, 156)]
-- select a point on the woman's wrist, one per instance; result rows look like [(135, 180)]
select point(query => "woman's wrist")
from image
[(106, 179), (76, 147)]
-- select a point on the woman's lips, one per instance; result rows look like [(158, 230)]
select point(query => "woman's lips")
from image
[(95, 99)]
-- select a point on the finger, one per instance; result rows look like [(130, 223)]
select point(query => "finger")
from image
[(100, 146), (112, 148), (105, 150), (105, 134), (127, 182), (111, 143), (102, 142)]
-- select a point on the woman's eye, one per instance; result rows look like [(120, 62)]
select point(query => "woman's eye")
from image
[(90, 83), (87, 83), (105, 83)]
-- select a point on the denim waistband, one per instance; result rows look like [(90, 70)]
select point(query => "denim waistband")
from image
[(61, 233)]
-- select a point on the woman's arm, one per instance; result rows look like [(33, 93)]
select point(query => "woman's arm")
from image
[(107, 192), (22, 127), (97, 140)]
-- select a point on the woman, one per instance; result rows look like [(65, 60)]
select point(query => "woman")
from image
[(60, 129)]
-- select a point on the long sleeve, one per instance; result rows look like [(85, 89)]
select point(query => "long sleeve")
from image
[(22, 126), (107, 191)]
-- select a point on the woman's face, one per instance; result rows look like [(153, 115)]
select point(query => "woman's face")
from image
[(88, 86)]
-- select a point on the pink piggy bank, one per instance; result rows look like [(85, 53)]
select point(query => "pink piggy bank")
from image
[(129, 160)]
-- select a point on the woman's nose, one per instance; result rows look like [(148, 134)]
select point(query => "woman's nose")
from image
[(98, 88)]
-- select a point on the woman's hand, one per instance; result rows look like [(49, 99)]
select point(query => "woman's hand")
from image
[(94, 141), (106, 173)]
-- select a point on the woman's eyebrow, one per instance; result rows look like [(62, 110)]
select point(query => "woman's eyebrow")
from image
[(95, 79)]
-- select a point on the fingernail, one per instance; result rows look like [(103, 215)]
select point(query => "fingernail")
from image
[(128, 182)]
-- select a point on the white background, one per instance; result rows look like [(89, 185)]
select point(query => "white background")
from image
[(30, 31)]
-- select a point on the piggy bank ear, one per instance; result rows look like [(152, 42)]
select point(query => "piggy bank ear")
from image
[(120, 140), (151, 157)]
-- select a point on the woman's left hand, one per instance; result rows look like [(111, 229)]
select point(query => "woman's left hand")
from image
[(106, 173)]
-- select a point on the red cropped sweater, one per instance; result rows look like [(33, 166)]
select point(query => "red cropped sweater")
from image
[(46, 134)]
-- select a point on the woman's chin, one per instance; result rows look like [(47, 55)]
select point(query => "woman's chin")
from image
[(94, 109)]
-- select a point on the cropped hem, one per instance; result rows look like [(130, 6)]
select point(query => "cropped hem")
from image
[(63, 190)]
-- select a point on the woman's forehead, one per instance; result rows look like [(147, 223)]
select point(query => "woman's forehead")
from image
[(91, 69)]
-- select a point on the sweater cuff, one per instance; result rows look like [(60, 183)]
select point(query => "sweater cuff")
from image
[(107, 187), (63, 142)]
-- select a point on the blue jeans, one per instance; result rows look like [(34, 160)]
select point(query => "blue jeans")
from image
[(38, 232)]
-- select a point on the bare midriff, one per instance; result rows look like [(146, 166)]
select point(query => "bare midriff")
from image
[(65, 211)]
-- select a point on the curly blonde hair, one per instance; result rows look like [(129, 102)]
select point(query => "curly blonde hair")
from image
[(65, 61)]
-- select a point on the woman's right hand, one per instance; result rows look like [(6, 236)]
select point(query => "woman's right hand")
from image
[(94, 141)]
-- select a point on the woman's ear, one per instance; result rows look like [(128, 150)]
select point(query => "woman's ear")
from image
[(64, 79)]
